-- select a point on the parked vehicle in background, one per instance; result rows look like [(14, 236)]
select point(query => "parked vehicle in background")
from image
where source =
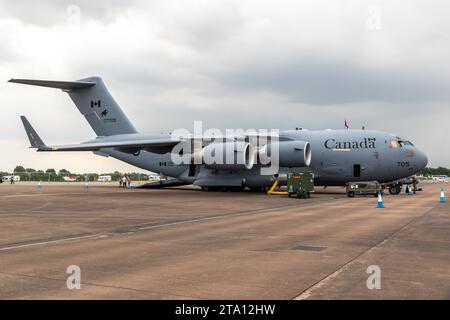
[(154, 177), (440, 178), (70, 178), (104, 179), (363, 188), (8, 178)]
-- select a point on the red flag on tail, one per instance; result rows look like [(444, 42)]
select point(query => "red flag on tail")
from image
[(346, 125)]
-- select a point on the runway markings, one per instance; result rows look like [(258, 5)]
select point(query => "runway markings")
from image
[(305, 294), (232, 214), (168, 224), (94, 236), (101, 285), (53, 194)]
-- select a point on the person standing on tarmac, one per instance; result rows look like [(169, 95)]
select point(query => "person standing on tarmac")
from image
[(414, 183), (12, 179)]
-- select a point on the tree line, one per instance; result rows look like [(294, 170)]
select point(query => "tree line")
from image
[(436, 171), (30, 174)]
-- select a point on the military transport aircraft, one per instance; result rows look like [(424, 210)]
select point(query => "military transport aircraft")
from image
[(335, 156)]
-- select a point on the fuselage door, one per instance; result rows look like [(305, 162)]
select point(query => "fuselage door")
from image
[(357, 170)]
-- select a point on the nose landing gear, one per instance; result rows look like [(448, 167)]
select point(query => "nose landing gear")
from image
[(395, 188)]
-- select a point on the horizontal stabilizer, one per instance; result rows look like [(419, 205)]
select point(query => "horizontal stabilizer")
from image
[(35, 140), (128, 146), (63, 85)]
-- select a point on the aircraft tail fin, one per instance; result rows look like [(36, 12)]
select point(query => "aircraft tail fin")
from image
[(35, 140), (94, 101)]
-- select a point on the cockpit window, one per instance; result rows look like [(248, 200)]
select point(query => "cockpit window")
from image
[(393, 144), (408, 143), (399, 143)]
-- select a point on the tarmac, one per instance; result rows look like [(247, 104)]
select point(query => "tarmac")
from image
[(183, 243)]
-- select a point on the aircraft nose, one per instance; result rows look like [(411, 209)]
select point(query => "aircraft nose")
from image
[(422, 159)]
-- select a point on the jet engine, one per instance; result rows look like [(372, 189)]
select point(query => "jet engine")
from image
[(236, 155), (295, 153)]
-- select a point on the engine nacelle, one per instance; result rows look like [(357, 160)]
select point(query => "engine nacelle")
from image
[(229, 155), (295, 153)]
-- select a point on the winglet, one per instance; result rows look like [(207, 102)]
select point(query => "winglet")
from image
[(35, 140)]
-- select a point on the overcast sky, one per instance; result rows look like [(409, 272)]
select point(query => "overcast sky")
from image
[(232, 64)]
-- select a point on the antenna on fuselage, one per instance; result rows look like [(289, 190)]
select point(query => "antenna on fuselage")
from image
[(346, 125)]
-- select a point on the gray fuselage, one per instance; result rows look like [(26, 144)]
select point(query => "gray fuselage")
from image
[(338, 156)]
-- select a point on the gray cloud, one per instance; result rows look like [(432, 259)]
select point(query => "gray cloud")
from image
[(318, 80), (48, 13)]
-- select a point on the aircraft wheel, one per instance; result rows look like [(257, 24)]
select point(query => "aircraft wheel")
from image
[(395, 189), (209, 188)]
